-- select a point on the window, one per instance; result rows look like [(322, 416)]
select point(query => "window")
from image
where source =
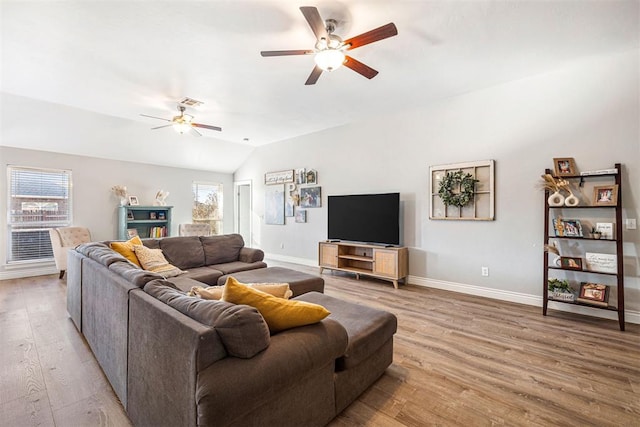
[(38, 199), (207, 205)]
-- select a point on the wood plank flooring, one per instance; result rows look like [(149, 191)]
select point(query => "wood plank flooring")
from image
[(459, 360)]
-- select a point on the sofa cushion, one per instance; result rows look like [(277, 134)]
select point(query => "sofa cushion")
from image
[(280, 290), (280, 314), (151, 243), (126, 249), (133, 273), (242, 329), (183, 252), (221, 249), (207, 275), (153, 260), (237, 266), (368, 328), (101, 253)]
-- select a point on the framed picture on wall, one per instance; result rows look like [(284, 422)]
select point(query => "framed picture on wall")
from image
[(301, 215), (310, 197), (274, 205)]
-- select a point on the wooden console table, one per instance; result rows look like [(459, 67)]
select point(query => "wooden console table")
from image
[(389, 263)]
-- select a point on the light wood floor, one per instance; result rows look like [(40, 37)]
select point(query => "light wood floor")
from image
[(458, 360)]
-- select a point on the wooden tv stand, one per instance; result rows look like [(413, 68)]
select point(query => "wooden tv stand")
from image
[(389, 263)]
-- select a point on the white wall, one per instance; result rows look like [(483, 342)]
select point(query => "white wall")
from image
[(94, 204), (588, 110)]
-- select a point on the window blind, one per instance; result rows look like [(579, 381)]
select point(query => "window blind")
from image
[(38, 200)]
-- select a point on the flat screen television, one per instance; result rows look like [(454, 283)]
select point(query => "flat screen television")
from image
[(367, 218)]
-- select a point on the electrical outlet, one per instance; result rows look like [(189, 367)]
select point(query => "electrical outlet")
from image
[(485, 271), (631, 223)]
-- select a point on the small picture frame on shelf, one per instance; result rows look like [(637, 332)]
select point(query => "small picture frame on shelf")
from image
[(605, 195), (571, 263), (162, 216), (133, 200), (564, 166), (153, 215), (132, 232), (567, 227), (130, 216), (594, 293)]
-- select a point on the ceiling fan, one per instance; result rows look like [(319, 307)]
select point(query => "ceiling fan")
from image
[(329, 49), (183, 123)]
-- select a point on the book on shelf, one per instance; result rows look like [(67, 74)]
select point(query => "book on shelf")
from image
[(157, 232), (599, 172)]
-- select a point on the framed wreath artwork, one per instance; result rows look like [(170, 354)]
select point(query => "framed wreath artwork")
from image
[(462, 191)]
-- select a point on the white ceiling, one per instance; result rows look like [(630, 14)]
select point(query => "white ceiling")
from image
[(124, 58)]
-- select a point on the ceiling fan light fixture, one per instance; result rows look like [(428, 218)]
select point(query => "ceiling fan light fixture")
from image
[(329, 59), (182, 127)]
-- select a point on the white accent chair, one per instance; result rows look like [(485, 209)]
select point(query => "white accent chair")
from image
[(63, 239), (194, 230)]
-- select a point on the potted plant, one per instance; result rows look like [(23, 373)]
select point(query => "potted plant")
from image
[(560, 290), (596, 234)]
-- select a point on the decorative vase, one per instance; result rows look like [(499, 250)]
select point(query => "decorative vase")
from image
[(571, 200), (556, 199), (123, 201)]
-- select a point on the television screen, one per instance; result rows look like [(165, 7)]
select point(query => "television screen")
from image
[(368, 218)]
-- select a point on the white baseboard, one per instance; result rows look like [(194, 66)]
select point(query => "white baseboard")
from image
[(293, 260), (631, 316), (27, 272)]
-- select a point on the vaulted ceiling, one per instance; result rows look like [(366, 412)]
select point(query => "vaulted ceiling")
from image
[(122, 59)]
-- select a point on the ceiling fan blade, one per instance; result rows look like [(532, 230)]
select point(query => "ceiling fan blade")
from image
[(154, 117), (198, 125), (196, 133), (316, 23), (359, 67), (285, 52), (163, 126), (313, 77), (379, 33)]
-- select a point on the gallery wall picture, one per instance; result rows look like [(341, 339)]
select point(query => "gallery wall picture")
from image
[(290, 199), (462, 191), (310, 197), (280, 177), (301, 176), (312, 176), (274, 204), (301, 215)]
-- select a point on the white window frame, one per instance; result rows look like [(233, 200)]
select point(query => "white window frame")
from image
[(220, 219), (36, 225)]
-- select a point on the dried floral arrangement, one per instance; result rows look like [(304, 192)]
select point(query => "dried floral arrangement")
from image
[(119, 191)]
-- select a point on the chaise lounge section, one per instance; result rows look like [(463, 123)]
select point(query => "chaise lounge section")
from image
[(173, 359)]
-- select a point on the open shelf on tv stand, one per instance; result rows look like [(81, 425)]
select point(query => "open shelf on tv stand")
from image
[(384, 262)]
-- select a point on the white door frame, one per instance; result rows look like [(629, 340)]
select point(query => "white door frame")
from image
[(236, 209)]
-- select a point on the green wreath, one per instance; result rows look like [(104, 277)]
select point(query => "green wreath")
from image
[(452, 181)]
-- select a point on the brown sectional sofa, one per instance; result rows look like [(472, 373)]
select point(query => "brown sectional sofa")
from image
[(178, 360)]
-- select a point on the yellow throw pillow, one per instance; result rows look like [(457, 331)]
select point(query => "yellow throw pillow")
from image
[(126, 249), (153, 260), (280, 290), (279, 313)]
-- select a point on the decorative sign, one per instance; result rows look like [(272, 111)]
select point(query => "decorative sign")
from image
[(281, 177), (602, 263), (606, 228), (481, 203)]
